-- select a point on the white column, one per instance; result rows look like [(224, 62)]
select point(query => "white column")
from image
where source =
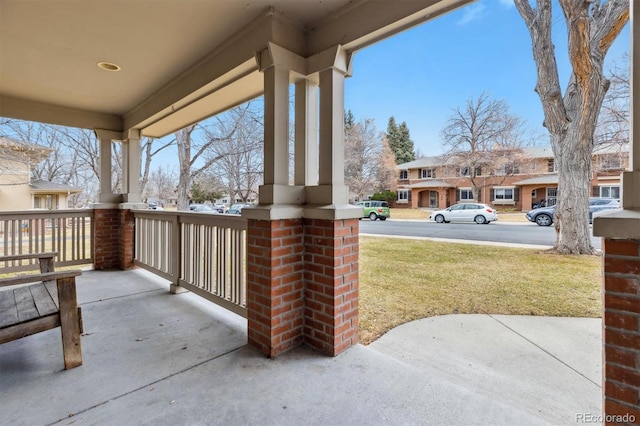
[(131, 167), (278, 199), (331, 154), (105, 139), (276, 126), (306, 133)]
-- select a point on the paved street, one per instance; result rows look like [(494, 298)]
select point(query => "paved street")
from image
[(510, 233)]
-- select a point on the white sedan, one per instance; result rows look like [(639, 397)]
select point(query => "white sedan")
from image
[(466, 212)]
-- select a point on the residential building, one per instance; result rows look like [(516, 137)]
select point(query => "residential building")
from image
[(524, 179), (18, 191)]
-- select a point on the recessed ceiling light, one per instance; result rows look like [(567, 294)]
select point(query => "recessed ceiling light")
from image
[(109, 66)]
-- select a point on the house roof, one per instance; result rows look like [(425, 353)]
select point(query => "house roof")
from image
[(550, 179), (40, 186), (179, 61), (529, 152), (15, 150)]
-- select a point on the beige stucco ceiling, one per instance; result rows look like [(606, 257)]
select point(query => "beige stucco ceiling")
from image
[(181, 60)]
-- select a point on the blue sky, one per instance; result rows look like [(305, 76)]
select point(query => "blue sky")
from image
[(421, 75)]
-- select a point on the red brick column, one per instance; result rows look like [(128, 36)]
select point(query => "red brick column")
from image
[(113, 239), (621, 322), (127, 239), (275, 284), (331, 284)]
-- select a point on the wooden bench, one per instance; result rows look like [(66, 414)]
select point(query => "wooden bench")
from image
[(50, 302)]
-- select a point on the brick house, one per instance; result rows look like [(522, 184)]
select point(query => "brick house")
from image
[(18, 191), (434, 182)]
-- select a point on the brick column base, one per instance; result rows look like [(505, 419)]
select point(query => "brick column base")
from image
[(331, 284), (275, 284), (302, 284), (621, 322), (113, 239)]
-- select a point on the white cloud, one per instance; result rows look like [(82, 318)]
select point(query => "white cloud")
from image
[(472, 13)]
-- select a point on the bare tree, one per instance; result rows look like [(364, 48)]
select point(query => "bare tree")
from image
[(197, 147), (613, 122), (571, 118), (149, 149), (483, 138), (237, 142), (161, 185), (369, 162)]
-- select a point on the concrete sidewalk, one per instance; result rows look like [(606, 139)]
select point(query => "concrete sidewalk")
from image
[(155, 358)]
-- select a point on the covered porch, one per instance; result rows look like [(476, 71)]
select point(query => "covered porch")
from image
[(151, 357), (128, 70)]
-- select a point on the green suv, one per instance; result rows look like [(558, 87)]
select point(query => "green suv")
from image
[(375, 209)]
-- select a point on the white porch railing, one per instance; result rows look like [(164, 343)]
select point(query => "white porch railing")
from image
[(204, 253), (67, 232)]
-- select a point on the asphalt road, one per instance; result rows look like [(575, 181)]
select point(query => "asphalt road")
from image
[(510, 233)]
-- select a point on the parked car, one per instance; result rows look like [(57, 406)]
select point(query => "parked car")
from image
[(202, 208), (466, 212), (543, 216), (375, 209), (237, 208), (219, 207)]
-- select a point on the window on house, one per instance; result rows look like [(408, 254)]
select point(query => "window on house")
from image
[(465, 171), (465, 194), (427, 173), (610, 162), (610, 191), (551, 165), (404, 174), (508, 169), (403, 196), (503, 194)]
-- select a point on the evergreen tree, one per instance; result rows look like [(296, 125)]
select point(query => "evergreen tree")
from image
[(349, 120), (400, 141)]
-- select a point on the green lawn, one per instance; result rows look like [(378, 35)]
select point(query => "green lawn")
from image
[(403, 280)]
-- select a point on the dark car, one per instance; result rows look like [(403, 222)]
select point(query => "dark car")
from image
[(543, 216)]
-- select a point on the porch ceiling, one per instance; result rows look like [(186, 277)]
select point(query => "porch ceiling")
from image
[(182, 60)]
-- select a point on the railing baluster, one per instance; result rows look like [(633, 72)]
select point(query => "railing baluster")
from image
[(204, 253)]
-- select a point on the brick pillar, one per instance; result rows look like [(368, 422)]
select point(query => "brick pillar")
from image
[(275, 284), (331, 284), (127, 239), (113, 242), (621, 322)]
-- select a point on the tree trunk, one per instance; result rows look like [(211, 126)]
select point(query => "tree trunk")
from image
[(572, 210)]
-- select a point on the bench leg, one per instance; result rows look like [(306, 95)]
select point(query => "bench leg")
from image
[(69, 322)]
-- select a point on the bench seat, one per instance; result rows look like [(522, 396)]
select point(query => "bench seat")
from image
[(33, 303)]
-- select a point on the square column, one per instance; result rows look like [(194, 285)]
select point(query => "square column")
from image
[(131, 167), (302, 280), (106, 138)]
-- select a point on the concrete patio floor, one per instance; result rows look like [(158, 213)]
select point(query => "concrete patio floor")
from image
[(151, 357)]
